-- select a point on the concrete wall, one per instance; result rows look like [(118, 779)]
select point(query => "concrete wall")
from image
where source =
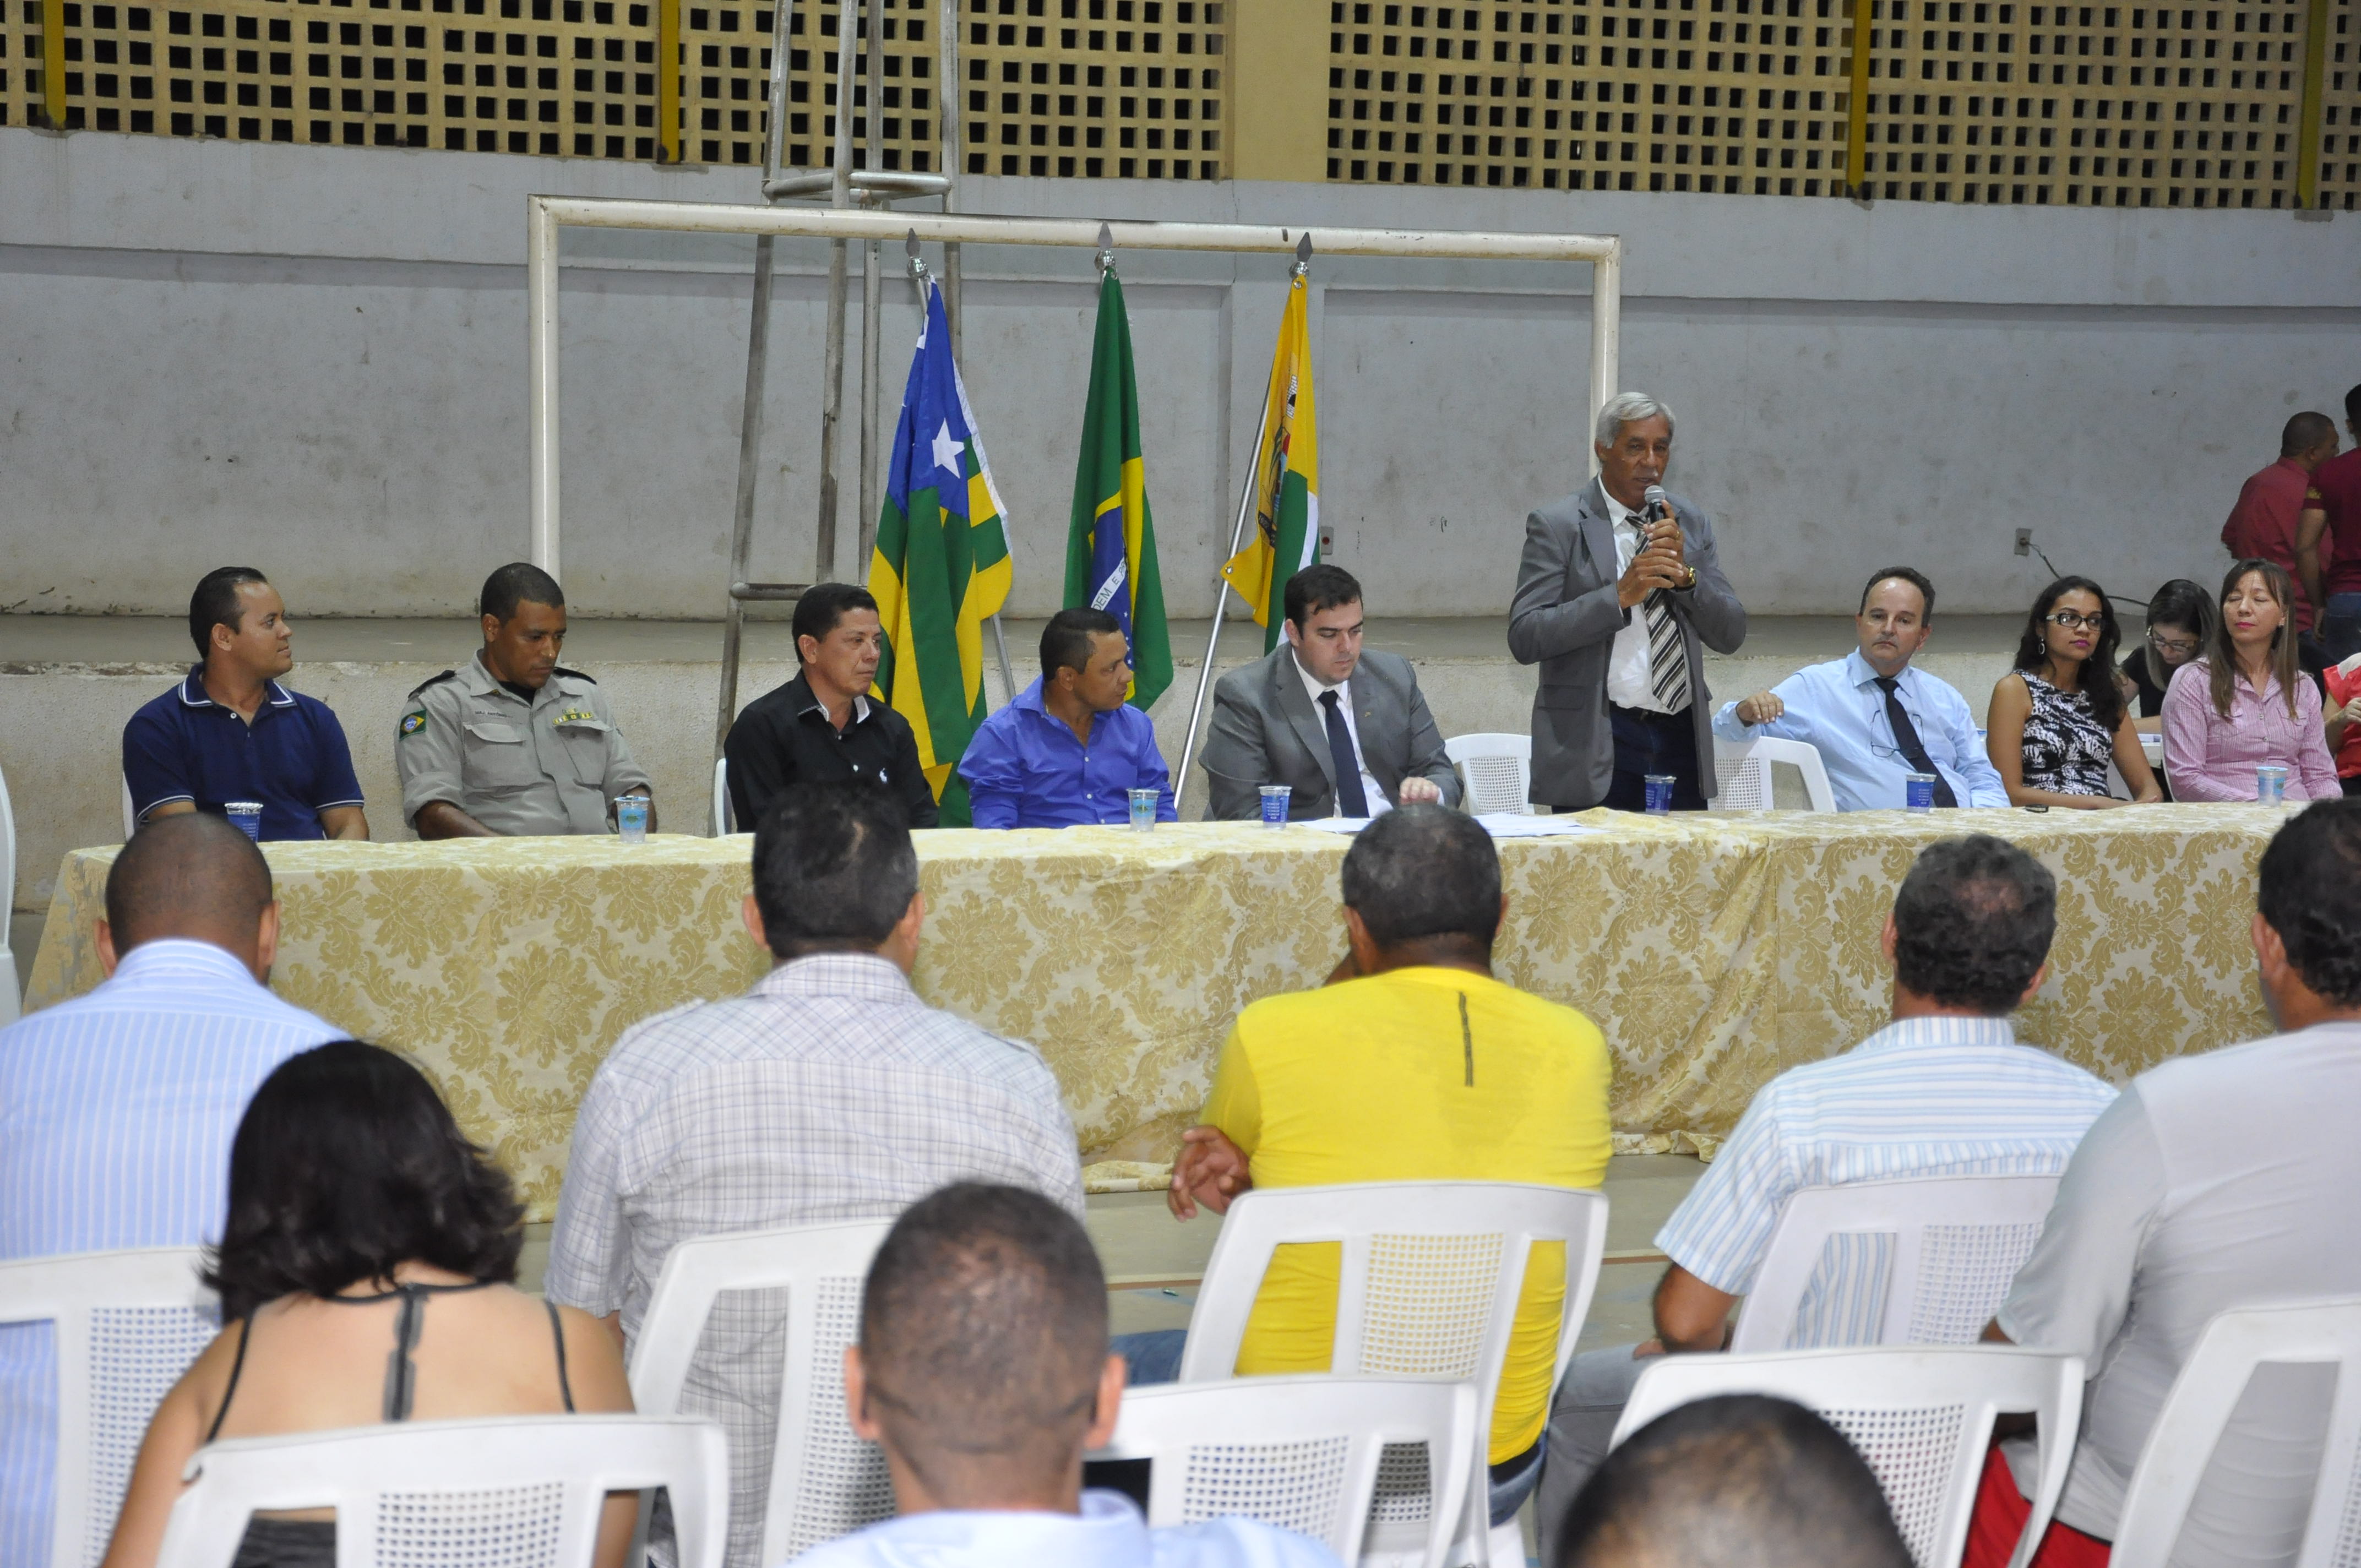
[(311, 359)]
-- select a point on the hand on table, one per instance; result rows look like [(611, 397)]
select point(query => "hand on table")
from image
[(1759, 709), (1210, 1170), (1417, 791)]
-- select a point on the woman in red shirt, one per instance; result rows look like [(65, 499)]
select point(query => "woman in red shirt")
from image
[(2343, 722)]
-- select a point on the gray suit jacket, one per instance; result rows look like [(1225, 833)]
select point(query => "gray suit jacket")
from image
[(1565, 618), (1265, 731)]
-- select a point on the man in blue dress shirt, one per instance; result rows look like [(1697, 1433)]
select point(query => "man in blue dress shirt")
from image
[(230, 731), (1874, 719), (1069, 749)]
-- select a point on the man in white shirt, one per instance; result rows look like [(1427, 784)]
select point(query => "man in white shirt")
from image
[(983, 1373), (117, 1108), (1873, 719), (1346, 728), (2220, 1179)]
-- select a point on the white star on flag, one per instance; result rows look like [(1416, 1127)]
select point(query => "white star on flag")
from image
[(947, 451)]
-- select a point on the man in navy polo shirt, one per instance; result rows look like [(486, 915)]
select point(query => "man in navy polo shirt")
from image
[(230, 731)]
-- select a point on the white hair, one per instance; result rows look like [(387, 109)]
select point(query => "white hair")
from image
[(1625, 407)]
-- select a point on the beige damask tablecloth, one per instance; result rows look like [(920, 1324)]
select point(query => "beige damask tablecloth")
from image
[(1715, 951)]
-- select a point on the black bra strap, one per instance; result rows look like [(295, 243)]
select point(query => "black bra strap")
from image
[(245, 1333), (557, 1332)]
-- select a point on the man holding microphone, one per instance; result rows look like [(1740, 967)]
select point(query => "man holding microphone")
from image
[(1619, 592)]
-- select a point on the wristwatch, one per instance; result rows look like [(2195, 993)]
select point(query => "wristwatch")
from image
[(1692, 571)]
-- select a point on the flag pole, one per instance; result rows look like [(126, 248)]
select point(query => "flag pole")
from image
[(1237, 532)]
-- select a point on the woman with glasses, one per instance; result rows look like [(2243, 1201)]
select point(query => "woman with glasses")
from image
[(2058, 718), (2246, 705), (2179, 619)]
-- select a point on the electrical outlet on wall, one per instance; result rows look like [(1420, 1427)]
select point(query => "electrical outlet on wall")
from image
[(2025, 541)]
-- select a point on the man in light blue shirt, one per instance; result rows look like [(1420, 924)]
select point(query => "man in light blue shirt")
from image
[(1944, 1090), (117, 1109), (1874, 719), (983, 1371)]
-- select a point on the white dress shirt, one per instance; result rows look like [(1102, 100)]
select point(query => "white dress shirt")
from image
[(1371, 790), (1631, 683), (1107, 1533)]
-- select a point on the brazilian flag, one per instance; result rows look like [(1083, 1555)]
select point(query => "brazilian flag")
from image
[(1111, 544), (942, 567)]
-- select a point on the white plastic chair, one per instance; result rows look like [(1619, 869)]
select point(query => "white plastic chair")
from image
[(1955, 1245), (126, 1325), (725, 821), (1743, 768), (130, 816), (11, 1003), (2181, 1443), (1427, 1287), (825, 1481), (1496, 771), (523, 1490), (1301, 1454), (1922, 1418)]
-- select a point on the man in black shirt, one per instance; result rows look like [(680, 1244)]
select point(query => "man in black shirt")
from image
[(822, 725)]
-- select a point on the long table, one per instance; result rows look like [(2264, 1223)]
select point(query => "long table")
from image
[(1713, 951)]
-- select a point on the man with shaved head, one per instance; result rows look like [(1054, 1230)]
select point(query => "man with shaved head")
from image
[(116, 1108)]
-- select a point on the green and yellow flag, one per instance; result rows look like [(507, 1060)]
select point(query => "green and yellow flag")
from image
[(1111, 544), (942, 566), (1287, 484)]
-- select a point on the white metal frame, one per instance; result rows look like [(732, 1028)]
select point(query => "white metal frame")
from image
[(1977, 1382), (544, 215)]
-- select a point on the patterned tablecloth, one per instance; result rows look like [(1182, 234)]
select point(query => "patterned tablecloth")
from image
[(1715, 951)]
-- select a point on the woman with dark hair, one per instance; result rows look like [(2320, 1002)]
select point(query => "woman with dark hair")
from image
[(2179, 623), (2246, 705), (2058, 717), (361, 1219)]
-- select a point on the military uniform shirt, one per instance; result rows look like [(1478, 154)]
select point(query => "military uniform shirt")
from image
[(547, 766)]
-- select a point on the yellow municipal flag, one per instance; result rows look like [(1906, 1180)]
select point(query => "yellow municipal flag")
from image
[(1287, 476)]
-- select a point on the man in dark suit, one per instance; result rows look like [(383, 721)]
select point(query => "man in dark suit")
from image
[(1613, 598), (1346, 730)]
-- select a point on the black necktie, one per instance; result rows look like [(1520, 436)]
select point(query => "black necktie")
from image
[(1906, 737), (1351, 799)]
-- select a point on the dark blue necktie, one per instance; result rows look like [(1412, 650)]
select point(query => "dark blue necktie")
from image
[(1351, 799), (1906, 741)]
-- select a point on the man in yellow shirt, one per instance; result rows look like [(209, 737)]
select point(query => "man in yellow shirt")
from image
[(1414, 1063)]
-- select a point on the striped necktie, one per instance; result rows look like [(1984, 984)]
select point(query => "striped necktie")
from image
[(1668, 660)]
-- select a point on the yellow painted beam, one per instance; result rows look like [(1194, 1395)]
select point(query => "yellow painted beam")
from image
[(53, 62), (668, 56), (2316, 70), (1857, 120)]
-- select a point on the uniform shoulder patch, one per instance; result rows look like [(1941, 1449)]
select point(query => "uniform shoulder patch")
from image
[(414, 722), (435, 681), (561, 670)]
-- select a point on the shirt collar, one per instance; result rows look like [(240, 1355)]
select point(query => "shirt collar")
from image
[(1313, 686), (1861, 672), (812, 703), (1029, 699), (193, 692), (1904, 1033), (1108, 1532), (176, 958), (866, 975)]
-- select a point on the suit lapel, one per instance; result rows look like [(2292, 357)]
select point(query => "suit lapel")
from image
[(1296, 704), (1598, 530), (1365, 691)]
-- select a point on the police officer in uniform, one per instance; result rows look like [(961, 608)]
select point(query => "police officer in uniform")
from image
[(514, 745)]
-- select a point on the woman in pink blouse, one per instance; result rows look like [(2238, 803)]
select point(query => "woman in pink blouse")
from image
[(2244, 705)]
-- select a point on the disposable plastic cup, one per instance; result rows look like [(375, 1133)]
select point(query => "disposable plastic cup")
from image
[(1274, 805), (632, 819), (1143, 810), (2270, 785), (247, 816), (1918, 792), (1660, 794)]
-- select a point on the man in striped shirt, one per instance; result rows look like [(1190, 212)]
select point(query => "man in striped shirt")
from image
[(1944, 1090), (117, 1109)]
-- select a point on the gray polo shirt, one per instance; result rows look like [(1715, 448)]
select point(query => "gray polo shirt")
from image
[(2220, 1180), (547, 766)]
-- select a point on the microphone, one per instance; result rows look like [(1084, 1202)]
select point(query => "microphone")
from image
[(1659, 506)]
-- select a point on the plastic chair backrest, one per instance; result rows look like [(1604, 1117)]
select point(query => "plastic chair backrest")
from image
[(1427, 1287), (1956, 1242), (126, 1325), (1743, 768), (1922, 1418), (725, 821), (825, 1481), (10, 1002), (1495, 769), (521, 1490), (2181, 1446), (1301, 1453), (130, 816)]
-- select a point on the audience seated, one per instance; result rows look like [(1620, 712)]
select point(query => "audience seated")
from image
[(116, 1108), (287, 753), (2058, 718), (1945, 1089), (983, 1372), (2340, 725), (827, 1092), (361, 1218), (515, 743), (2222, 1180), (1413, 1064), (2245, 704), (2264, 523), (1347, 730), (1873, 719), (1069, 749), (1740, 1481), (822, 725), (2179, 623)]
